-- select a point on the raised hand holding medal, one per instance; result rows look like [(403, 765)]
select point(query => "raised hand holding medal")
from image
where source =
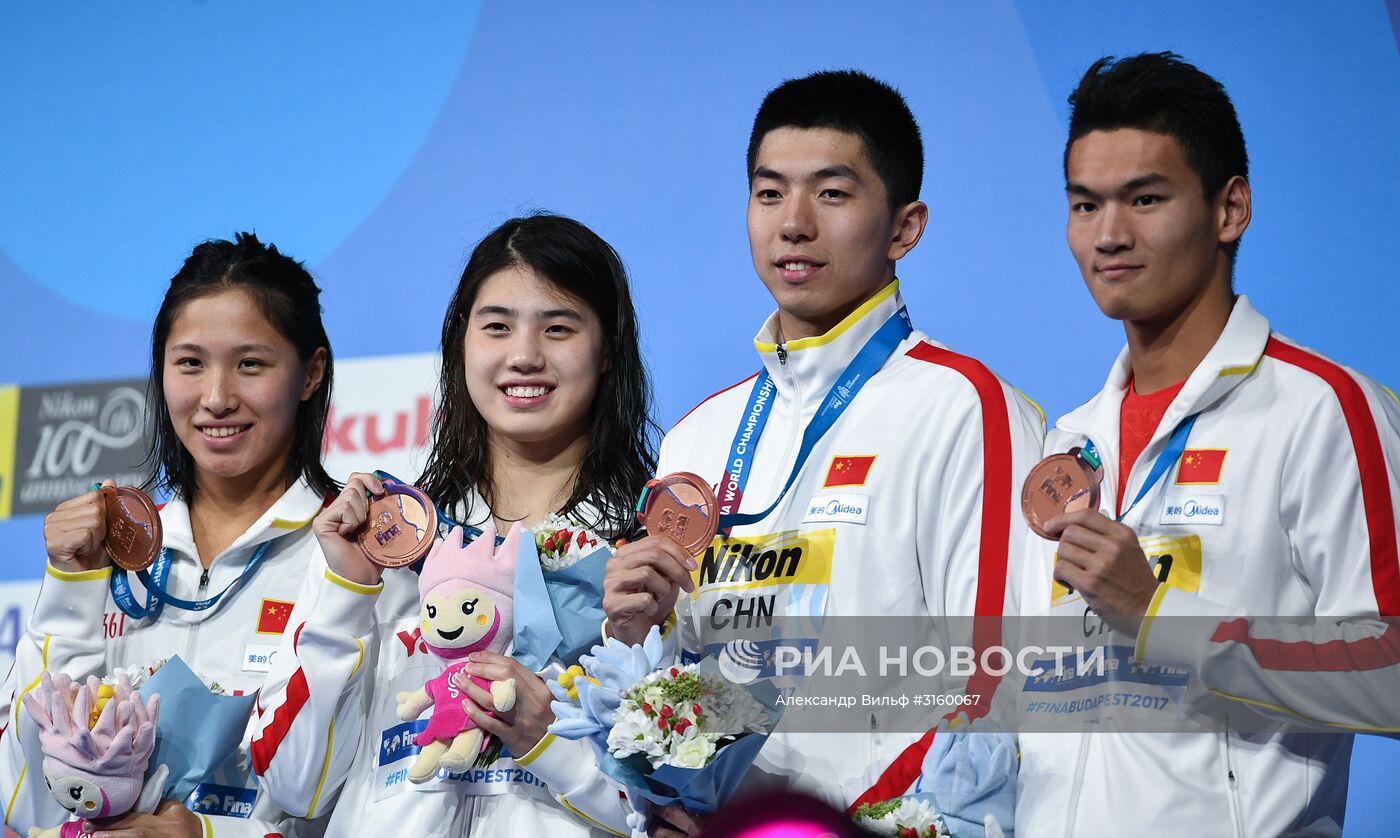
[(374, 523), (379, 521), (119, 525), (644, 578), (112, 524), (1099, 558)]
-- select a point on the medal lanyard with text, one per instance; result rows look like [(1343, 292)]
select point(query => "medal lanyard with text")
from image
[(1176, 445), (156, 595), (867, 361)]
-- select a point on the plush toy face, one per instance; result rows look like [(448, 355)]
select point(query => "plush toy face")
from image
[(78, 795), (457, 618)]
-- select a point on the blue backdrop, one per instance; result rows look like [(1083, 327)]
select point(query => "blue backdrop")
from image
[(379, 141)]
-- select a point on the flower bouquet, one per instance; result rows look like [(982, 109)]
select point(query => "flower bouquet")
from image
[(966, 789), (201, 724), (904, 817), (558, 592), (671, 735)]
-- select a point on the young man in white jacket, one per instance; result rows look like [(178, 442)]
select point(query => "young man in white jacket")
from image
[(904, 507), (1241, 475)]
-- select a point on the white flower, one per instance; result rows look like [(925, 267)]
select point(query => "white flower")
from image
[(917, 814), (693, 752), (136, 673), (635, 733), (883, 826)]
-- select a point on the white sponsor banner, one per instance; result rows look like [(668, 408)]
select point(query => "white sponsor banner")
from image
[(380, 412), (16, 603)]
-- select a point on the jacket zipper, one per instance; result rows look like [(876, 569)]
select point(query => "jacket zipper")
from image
[(1232, 783), (193, 643), (795, 436)]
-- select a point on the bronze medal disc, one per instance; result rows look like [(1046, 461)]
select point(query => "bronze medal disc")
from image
[(133, 528), (401, 528), (1058, 484), (682, 507)]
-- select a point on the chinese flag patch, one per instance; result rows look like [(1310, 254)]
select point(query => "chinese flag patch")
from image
[(272, 619), (1200, 466), (848, 471)]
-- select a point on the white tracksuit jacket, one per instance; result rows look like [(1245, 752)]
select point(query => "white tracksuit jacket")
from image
[(925, 532), (329, 729), (1300, 522), (77, 629)]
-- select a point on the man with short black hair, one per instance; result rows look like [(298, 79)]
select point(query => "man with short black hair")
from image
[(1240, 475), (903, 507)]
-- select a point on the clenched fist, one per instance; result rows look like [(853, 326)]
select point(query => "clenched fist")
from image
[(75, 532)]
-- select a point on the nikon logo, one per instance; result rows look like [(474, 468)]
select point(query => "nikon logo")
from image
[(744, 563)]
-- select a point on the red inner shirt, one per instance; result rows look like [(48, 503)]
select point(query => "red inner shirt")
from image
[(1138, 419)]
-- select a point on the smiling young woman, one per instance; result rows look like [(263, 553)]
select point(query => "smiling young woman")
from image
[(240, 385), (542, 411)]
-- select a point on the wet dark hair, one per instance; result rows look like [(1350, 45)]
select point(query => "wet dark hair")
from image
[(621, 451), (854, 103), (288, 297), (1161, 93)]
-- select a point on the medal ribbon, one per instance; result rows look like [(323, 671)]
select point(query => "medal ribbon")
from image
[(156, 596), (1176, 446), (848, 384)]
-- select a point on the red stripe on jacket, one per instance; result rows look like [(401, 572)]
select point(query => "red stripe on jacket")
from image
[(1370, 462), (993, 547), (264, 746), (1364, 654), (712, 395)]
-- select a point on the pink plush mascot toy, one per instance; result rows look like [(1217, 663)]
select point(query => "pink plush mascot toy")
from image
[(466, 605), (94, 767)]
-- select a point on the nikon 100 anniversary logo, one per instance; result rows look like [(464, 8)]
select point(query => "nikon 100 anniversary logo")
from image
[(71, 435)]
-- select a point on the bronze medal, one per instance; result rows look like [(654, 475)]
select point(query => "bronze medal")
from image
[(1058, 484), (401, 528), (133, 528), (682, 507)]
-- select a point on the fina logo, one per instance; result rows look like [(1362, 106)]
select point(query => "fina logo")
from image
[(741, 661), (209, 803)]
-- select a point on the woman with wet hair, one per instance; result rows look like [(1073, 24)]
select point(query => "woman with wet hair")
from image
[(543, 412), (239, 389)]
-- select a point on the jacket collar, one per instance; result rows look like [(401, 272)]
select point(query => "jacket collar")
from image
[(1230, 361), (812, 364), (294, 510)]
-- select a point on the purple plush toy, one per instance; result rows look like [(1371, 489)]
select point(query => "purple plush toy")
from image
[(96, 749)]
